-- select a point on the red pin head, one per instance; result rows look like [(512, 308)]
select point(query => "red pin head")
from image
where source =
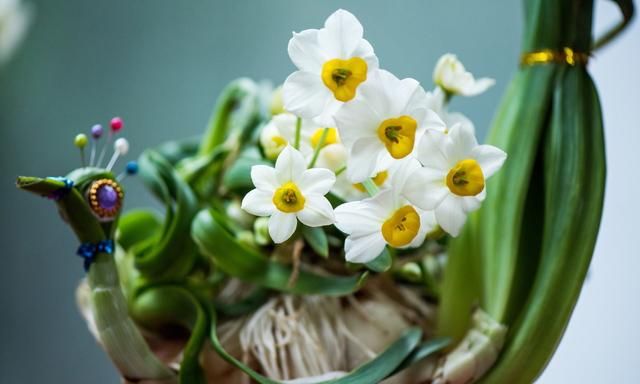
[(116, 124)]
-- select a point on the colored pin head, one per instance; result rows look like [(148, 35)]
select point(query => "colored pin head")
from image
[(121, 146), (116, 124), (80, 141), (132, 168), (96, 131)]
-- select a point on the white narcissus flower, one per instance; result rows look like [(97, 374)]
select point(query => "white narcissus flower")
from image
[(384, 123), (288, 193), (451, 76), (348, 191), (385, 219), (271, 140), (332, 156), (280, 131), (15, 17), (393, 177), (452, 179), (332, 63)]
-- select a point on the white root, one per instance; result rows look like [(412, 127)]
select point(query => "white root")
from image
[(309, 339)]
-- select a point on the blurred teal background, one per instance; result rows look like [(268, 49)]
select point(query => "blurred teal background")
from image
[(160, 65)]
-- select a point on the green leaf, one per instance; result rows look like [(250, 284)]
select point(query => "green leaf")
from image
[(165, 306), (216, 241), (137, 226), (198, 169), (239, 97), (423, 351), (174, 254), (382, 263), (574, 177), (317, 240), (374, 371), (385, 363), (238, 177), (73, 207), (176, 150), (40, 186)]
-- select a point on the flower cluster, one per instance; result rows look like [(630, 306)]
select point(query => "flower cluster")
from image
[(393, 156)]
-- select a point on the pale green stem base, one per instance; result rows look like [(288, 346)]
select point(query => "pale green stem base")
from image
[(118, 334)]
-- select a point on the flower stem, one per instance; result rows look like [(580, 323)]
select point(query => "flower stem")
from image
[(316, 152), (296, 143), (340, 170), (371, 188)]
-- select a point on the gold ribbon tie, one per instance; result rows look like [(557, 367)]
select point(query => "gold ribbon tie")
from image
[(546, 56)]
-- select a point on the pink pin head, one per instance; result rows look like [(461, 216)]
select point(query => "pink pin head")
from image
[(116, 124)]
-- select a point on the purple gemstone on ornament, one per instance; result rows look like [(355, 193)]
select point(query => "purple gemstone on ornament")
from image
[(107, 197)]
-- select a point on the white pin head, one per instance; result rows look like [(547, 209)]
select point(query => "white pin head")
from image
[(121, 146)]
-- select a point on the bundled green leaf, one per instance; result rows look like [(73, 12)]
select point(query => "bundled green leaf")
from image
[(534, 238)]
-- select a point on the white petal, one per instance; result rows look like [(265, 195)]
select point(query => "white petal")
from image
[(358, 217), (378, 92), (427, 224), (445, 68), (329, 110), (341, 35), (333, 157), (432, 149), (490, 158), (365, 52), (305, 52), (289, 165), (434, 122), (458, 81), (401, 170), (356, 120), (463, 140), (258, 203), (453, 118), (384, 203), (363, 159), (317, 211), (285, 124), (428, 221), (470, 203), (316, 181), (281, 226), (450, 215), (271, 147), (264, 178), (409, 98), (477, 87), (363, 249), (436, 100), (426, 188), (304, 94)]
